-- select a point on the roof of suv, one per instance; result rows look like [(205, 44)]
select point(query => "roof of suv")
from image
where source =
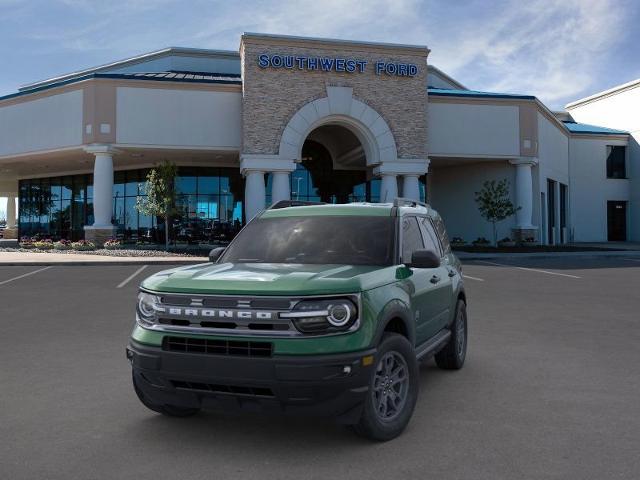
[(345, 209)]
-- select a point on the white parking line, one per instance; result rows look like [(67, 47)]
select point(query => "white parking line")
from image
[(25, 275), (131, 277), (529, 269), (473, 278)]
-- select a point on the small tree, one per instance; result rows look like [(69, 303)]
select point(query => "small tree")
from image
[(160, 193), (494, 203)]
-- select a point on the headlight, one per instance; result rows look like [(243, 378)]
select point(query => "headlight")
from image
[(323, 315), (146, 308)]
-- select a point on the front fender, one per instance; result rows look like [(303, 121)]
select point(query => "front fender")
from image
[(387, 303)]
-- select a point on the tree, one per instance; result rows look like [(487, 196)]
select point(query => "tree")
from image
[(160, 193), (494, 203)]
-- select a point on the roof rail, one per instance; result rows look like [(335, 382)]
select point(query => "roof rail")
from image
[(408, 202), (293, 203)]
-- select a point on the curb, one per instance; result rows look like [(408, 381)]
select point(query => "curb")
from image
[(94, 263), (547, 255)]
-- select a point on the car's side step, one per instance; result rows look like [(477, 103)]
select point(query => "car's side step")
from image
[(434, 344)]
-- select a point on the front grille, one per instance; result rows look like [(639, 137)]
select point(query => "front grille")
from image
[(228, 389), (217, 347)]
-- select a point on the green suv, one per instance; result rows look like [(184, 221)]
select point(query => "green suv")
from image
[(314, 309)]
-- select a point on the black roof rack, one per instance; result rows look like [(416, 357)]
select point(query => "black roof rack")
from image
[(293, 203), (408, 202)]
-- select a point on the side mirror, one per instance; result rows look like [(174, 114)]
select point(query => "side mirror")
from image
[(215, 254), (424, 259)]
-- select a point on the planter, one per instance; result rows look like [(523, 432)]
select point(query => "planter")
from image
[(507, 244)]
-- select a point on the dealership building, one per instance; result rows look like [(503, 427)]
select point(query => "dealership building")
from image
[(309, 119)]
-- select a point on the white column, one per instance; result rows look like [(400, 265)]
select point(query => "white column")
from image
[(524, 192), (411, 187), (103, 189), (280, 189), (11, 211), (388, 188), (254, 193)]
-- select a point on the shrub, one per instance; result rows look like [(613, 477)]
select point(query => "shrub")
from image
[(112, 244), (83, 245), (458, 241), (26, 242), (481, 241), (43, 244), (62, 245)]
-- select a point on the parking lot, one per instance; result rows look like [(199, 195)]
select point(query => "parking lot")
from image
[(551, 388)]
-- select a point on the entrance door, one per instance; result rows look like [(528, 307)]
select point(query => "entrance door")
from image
[(617, 221)]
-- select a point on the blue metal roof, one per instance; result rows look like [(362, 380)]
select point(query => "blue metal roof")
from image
[(444, 92), (188, 77), (575, 127)]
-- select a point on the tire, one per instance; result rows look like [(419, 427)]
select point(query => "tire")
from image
[(385, 416), (168, 410), (452, 356)]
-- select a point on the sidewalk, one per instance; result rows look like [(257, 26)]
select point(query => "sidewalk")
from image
[(45, 259), (465, 256)]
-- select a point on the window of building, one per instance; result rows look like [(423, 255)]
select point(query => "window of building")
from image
[(411, 238), (616, 161)]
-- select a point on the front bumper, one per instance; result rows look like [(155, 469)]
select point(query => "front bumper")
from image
[(324, 385)]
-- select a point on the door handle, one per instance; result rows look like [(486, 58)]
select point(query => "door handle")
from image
[(435, 279), (452, 273)]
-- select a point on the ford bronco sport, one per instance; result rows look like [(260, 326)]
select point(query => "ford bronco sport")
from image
[(312, 308)]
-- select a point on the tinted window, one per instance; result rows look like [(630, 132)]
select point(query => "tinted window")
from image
[(350, 240), (411, 238), (616, 161), (438, 223), (430, 238)]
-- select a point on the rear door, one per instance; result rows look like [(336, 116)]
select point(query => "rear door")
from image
[(421, 285), (442, 284)]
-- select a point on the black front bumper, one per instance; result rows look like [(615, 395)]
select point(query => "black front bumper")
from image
[(324, 385)]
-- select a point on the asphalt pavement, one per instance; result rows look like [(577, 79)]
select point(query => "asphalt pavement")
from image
[(550, 390)]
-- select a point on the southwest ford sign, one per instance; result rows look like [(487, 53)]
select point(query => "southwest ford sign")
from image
[(331, 64)]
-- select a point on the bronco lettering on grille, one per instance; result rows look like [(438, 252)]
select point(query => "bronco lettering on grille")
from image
[(215, 313)]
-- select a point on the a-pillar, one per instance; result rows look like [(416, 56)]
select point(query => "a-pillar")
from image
[(102, 228), (524, 198)]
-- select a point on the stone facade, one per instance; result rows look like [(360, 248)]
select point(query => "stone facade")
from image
[(272, 96), (98, 235)]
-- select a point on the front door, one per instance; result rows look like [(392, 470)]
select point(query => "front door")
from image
[(617, 221)]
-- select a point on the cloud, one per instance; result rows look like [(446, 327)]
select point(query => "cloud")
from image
[(558, 50)]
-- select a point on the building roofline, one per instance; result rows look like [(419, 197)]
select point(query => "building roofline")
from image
[(336, 41), (446, 76), (118, 76), (131, 61), (604, 93), (445, 92)]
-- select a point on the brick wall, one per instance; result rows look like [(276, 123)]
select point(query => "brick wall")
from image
[(271, 96)]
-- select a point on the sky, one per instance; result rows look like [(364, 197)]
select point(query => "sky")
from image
[(558, 50)]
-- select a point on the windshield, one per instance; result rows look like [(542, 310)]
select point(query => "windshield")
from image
[(351, 240)]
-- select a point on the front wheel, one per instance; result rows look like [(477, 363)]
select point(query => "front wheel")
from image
[(393, 390), (168, 410), (452, 356)]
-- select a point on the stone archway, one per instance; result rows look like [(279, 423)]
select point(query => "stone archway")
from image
[(340, 108)]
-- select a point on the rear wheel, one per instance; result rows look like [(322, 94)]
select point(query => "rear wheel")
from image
[(169, 410), (393, 390), (452, 356)]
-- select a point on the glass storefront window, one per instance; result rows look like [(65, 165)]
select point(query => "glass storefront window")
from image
[(209, 203)]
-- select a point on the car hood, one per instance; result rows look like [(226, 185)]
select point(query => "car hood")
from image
[(270, 279)]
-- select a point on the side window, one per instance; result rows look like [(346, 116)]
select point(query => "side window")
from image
[(430, 238), (411, 238), (442, 234)]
